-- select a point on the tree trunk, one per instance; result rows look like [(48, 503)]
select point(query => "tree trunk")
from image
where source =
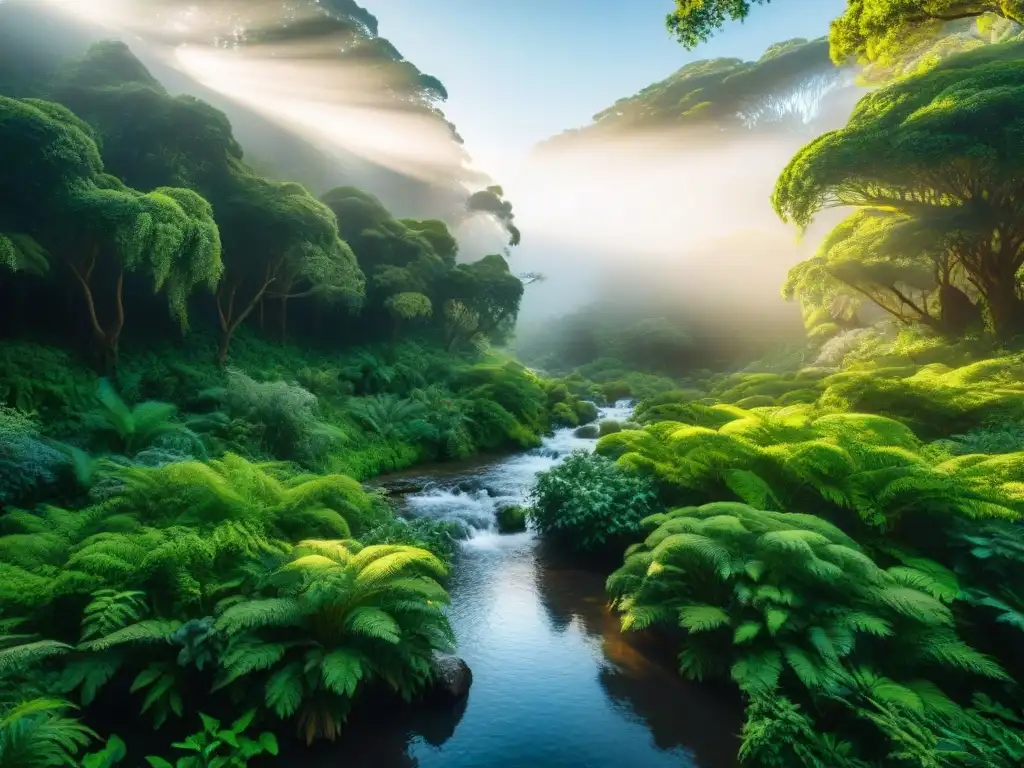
[(1005, 308), (229, 323), (106, 339), (959, 315), (222, 345)]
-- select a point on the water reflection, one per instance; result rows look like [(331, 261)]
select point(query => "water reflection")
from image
[(639, 670)]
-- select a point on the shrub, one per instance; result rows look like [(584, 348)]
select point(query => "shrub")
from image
[(609, 426), (562, 415), (589, 502), (793, 593), (287, 413), (586, 411), (27, 462), (587, 432), (436, 536)]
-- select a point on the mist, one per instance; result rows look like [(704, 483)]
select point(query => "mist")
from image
[(677, 220)]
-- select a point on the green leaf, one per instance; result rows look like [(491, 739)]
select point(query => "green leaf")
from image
[(746, 631), (146, 677), (209, 724), (269, 742), (775, 619), (702, 618), (284, 690), (243, 722), (158, 762), (341, 671), (758, 672)]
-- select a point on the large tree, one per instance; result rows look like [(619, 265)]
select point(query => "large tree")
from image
[(868, 30), (940, 152), (889, 260), (53, 189), (400, 257), (280, 243), (483, 302)]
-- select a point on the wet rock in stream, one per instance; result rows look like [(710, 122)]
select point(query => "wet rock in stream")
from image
[(452, 677)]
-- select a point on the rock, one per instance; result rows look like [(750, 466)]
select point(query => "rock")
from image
[(511, 519), (588, 432), (403, 490), (452, 677), (471, 485)]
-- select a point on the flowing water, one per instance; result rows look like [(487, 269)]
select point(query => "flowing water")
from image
[(555, 683)]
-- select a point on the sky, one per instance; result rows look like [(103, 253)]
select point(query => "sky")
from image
[(519, 71)]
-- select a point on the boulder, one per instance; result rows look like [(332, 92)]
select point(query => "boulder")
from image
[(452, 677), (511, 519)]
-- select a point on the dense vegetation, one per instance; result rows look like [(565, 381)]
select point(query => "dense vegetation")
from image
[(199, 365), (182, 526), (837, 529)]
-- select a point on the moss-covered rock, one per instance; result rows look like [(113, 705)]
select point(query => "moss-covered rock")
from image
[(511, 519), (588, 432)]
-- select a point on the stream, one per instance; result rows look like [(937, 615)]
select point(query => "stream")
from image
[(555, 683)]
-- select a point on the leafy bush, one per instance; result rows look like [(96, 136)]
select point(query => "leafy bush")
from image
[(46, 381), (587, 432), (866, 473), (27, 462), (436, 536), (334, 617), (562, 415), (134, 429), (608, 427), (763, 595), (222, 746), (782, 602), (38, 733), (287, 414), (589, 502)]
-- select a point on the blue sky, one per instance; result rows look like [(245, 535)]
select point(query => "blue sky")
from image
[(518, 71)]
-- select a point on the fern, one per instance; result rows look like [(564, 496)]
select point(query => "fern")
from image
[(38, 733), (350, 613)]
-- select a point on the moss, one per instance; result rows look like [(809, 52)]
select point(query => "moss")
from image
[(588, 432), (511, 519), (562, 415), (609, 427)]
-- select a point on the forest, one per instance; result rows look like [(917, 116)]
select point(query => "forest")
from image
[(204, 365)]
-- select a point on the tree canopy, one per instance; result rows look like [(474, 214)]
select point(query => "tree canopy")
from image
[(938, 198), (55, 191), (869, 30), (787, 82)]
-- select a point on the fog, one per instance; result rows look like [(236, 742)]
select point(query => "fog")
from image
[(678, 219), (671, 217)]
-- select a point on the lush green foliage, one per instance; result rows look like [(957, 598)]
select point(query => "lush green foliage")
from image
[(779, 504), (222, 747), (589, 502), (935, 201)]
